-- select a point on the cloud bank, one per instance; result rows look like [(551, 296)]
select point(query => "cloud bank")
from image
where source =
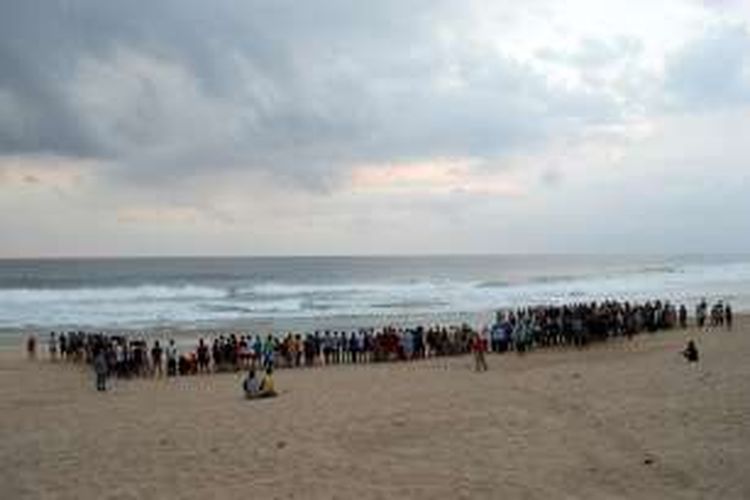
[(338, 122)]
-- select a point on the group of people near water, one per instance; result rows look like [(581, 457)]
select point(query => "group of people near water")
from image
[(519, 330)]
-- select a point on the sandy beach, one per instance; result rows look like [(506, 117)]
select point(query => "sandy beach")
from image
[(625, 419)]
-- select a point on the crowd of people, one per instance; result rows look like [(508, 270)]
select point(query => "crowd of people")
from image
[(519, 330)]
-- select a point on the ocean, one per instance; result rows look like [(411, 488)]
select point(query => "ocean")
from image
[(306, 293)]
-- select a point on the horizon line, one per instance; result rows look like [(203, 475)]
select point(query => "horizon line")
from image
[(375, 255)]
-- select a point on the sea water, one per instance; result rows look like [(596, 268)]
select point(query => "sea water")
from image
[(278, 293)]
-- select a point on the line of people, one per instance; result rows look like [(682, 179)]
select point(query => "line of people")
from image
[(518, 330)]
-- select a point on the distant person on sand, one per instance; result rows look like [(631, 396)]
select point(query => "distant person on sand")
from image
[(100, 368), (156, 361), (728, 316), (479, 346), (700, 313), (171, 359), (691, 352), (202, 357), (52, 346), (31, 347), (683, 316)]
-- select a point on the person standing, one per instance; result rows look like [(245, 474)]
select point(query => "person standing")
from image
[(171, 359), (269, 349), (100, 369), (479, 347), (31, 347), (202, 357), (156, 358), (52, 346), (327, 348), (728, 315), (700, 313), (683, 316), (353, 347)]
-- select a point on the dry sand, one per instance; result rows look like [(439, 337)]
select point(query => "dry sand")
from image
[(621, 420)]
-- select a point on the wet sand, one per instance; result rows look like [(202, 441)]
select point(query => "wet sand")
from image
[(626, 419)]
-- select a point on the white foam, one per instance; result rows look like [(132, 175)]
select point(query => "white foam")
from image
[(111, 294), (153, 304)]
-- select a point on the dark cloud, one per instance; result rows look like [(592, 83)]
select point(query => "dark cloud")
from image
[(172, 89)]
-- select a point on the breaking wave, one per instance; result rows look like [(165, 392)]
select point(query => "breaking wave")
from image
[(151, 304)]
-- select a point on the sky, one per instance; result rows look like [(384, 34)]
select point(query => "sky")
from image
[(258, 127)]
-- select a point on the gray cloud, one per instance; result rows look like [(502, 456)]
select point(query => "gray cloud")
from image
[(303, 90), (712, 71)]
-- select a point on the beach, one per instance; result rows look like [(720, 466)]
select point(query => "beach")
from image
[(622, 419)]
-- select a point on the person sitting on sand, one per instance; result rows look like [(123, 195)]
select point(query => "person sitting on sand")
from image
[(691, 352), (251, 385), (259, 389), (267, 389)]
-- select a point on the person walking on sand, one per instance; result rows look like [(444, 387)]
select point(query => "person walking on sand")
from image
[(100, 369)]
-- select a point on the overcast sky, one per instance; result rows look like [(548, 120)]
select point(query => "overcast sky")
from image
[(395, 126)]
